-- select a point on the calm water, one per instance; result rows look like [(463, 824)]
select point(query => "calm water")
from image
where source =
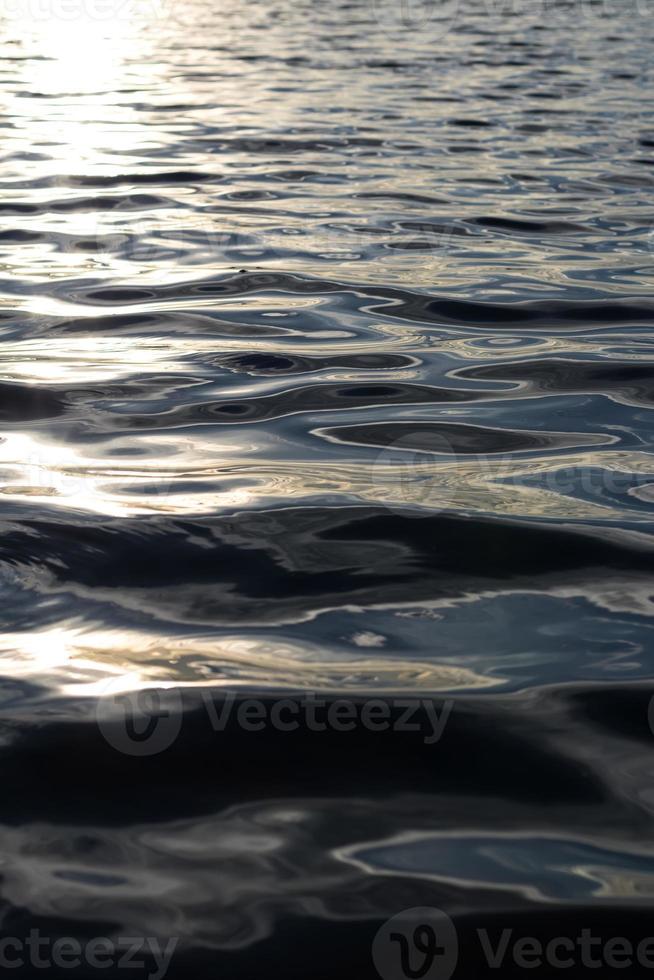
[(327, 372)]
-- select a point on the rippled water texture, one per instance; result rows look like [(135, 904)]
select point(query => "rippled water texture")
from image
[(326, 367)]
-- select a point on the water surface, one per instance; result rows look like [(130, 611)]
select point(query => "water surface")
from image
[(326, 369)]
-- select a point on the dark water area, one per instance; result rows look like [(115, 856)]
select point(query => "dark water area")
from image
[(326, 485)]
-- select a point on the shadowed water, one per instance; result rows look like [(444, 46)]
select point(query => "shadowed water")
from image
[(327, 373)]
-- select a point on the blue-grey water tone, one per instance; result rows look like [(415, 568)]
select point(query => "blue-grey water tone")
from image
[(327, 376)]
